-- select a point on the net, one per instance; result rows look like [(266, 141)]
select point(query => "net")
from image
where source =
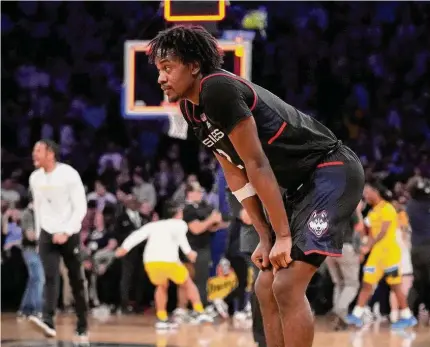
[(178, 127)]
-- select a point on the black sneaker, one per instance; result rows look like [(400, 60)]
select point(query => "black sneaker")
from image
[(81, 332), (43, 325)]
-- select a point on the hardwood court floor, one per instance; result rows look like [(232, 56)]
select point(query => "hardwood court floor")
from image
[(138, 331)]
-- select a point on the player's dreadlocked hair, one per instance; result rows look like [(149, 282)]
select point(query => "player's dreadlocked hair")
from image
[(189, 44)]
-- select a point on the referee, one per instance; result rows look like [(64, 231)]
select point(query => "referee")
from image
[(59, 205)]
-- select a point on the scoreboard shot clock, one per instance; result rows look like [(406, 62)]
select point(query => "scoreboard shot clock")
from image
[(194, 11)]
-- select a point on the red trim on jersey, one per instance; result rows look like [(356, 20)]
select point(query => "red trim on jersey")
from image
[(237, 79), (194, 115), (317, 251), (330, 163), (278, 133), (186, 111)]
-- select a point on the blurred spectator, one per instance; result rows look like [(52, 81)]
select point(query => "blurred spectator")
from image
[(101, 195), (9, 193), (31, 303), (112, 158), (144, 191)]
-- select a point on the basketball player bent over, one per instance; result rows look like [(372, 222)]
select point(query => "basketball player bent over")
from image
[(161, 259), (267, 149)]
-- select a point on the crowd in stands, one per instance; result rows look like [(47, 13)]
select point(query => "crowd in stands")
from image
[(361, 68)]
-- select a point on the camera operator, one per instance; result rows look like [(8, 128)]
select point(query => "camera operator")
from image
[(418, 209)]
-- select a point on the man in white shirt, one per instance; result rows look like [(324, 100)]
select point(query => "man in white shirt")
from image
[(161, 261), (60, 206)]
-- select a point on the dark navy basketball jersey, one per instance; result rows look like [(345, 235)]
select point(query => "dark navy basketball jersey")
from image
[(294, 142)]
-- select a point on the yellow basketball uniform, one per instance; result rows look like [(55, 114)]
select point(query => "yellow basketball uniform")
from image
[(385, 256), (161, 255), (160, 272)]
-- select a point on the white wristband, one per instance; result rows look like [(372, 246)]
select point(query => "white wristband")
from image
[(245, 192)]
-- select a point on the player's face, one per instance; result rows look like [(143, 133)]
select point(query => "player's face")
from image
[(40, 154), (175, 78), (369, 194)]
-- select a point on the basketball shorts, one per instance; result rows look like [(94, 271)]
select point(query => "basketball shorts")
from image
[(383, 262), (161, 272), (321, 209)]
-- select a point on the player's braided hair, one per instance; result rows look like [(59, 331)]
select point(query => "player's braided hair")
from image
[(190, 44)]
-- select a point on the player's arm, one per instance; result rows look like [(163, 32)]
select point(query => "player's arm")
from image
[(79, 202), (197, 226), (225, 105), (184, 245), (135, 238), (236, 180), (358, 219)]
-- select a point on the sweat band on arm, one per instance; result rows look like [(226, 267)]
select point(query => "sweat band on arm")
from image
[(245, 192)]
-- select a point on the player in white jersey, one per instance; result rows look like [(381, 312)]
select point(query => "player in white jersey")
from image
[(161, 261)]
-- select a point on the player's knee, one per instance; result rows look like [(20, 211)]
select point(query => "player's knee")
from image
[(263, 285), (283, 288), (289, 285)]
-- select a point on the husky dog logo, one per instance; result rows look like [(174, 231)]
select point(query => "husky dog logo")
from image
[(318, 222)]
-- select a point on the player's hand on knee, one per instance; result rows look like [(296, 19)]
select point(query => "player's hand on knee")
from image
[(260, 257), (280, 255)]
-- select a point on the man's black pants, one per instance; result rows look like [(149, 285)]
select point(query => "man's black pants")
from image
[(50, 254), (420, 291), (132, 277), (201, 273), (240, 267)]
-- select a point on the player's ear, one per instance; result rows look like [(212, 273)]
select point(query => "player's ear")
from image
[(195, 68)]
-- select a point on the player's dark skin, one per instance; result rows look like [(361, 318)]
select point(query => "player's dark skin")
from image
[(281, 291)]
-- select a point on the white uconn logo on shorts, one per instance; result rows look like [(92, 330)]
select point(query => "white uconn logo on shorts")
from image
[(318, 222)]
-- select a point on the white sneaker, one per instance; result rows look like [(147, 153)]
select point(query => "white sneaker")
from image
[(198, 318), (240, 316), (211, 311), (45, 327), (165, 325), (180, 315), (221, 307)]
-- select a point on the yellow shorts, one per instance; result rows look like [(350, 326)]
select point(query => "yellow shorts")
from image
[(160, 272), (383, 262)]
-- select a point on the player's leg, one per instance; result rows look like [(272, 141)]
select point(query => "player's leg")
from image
[(269, 309), (289, 287), (180, 276), (394, 280), (394, 307), (158, 276), (372, 274), (50, 257), (161, 297), (72, 260)]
